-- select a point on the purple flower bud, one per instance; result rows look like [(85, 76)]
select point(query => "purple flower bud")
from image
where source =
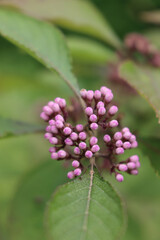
[(93, 126), (47, 110), (44, 116), (88, 154), (134, 144), (125, 129), (122, 167), (101, 111), (119, 177), (113, 110), (79, 127), (109, 97), (54, 155), (100, 104), (126, 145), (113, 123), (74, 136), (51, 122), (97, 94), (83, 93), (53, 140), (59, 118), (104, 90), (75, 164), (54, 130), (52, 149), (82, 145), (48, 129), (77, 172), (119, 150), (93, 118), (132, 138), (67, 130), (55, 107), (47, 135), (57, 99), (117, 136), (134, 158), (77, 151), (68, 142), (119, 143), (62, 154), (89, 111), (70, 175), (59, 124), (93, 141), (50, 104), (134, 172), (131, 165), (95, 148), (107, 138), (62, 103), (82, 136), (127, 135), (138, 164), (90, 95)]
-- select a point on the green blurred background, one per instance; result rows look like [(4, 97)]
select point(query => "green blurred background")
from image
[(25, 86)]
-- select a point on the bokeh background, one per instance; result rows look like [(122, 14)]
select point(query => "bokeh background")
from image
[(26, 171)]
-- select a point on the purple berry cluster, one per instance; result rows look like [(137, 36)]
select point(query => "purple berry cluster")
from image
[(80, 142)]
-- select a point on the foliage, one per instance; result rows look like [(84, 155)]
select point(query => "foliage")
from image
[(145, 81), (92, 210), (12, 128)]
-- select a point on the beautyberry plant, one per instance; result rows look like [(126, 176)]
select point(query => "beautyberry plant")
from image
[(97, 139), (86, 135)]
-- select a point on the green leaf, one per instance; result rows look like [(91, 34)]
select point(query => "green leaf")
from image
[(10, 128), (80, 16), (26, 218), (88, 51), (15, 63), (85, 209), (39, 39), (145, 81), (151, 148)]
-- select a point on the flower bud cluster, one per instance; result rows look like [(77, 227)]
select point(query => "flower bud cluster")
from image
[(80, 142), (121, 141), (68, 142), (98, 108), (124, 140), (130, 166), (138, 43)]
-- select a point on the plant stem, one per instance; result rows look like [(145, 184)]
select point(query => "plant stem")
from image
[(92, 162)]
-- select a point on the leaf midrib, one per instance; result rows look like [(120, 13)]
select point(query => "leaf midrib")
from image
[(86, 213)]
